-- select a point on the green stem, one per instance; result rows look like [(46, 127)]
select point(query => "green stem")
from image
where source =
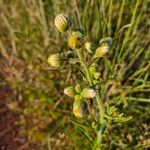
[(102, 121), (98, 99), (101, 107), (88, 75)]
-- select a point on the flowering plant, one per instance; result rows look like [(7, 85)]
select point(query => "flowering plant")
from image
[(90, 88)]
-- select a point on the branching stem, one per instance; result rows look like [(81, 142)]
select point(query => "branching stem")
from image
[(98, 99), (88, 75), (102, 121)]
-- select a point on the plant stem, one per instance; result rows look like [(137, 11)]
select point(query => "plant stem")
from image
[(101, 107), (88, 75), (98, 99), (102, 121)]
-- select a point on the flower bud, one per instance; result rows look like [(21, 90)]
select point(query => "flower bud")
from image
[(75, 40), (54, 60), (77, 33), (88, 93), (93, 68), (69, 54), (101, 51), (96, 75), (89, 47), (70, 91), (79, 108), (94, 125), (80, 30), (107, 40), (62, 22), (78, 88)]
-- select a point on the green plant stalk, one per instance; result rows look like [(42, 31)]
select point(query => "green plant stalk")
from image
[(101, 107), (88, 75), (98, 99), (102, 121)]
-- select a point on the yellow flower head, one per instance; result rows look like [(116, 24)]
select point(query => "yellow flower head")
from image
[(75, 40)]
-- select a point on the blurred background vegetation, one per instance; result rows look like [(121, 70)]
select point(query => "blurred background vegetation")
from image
[(35, 91)]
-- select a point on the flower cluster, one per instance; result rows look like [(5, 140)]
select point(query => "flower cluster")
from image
[(80, 93)]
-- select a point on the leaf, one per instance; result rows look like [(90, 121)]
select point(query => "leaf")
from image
[(82, 73), (83, 129)]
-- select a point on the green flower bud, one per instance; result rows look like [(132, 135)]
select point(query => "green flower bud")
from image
[(101, 51), (70, 91), (89, 47), (80, 30), (79, 108), (69, 54), (93, 68), (77, 33), (96, 75), (88, 93), (78, 88), (62, 22), (94, 125), (107, 40), (54, 60)]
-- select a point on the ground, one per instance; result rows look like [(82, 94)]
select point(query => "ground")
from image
[(10, 136)]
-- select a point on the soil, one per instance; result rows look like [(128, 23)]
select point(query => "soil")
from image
[(10, 136)]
